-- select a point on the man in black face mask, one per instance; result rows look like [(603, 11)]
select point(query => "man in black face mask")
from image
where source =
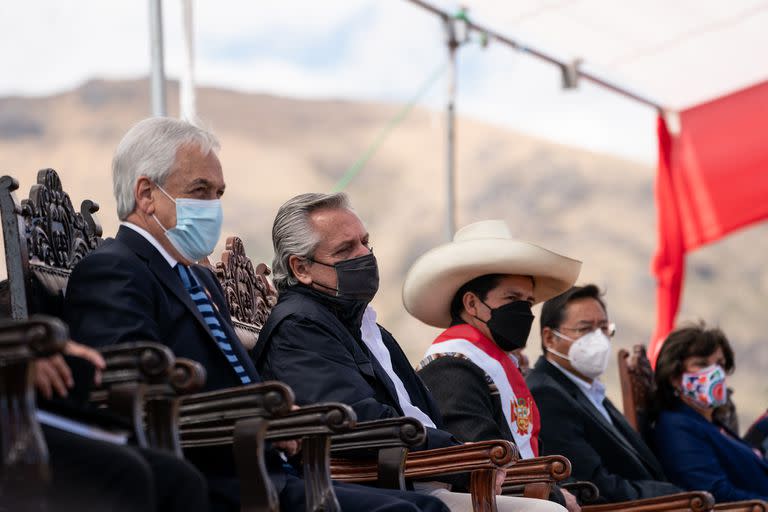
[(481, 288), (322, 338)]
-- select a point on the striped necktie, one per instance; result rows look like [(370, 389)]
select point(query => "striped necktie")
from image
[(204, 305)]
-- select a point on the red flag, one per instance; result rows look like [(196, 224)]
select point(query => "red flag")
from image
[(712, 179)]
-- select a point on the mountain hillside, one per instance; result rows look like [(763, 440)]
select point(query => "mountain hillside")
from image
[(593, 207)]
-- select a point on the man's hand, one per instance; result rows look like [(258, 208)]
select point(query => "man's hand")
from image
[(90, 355), (570, 501), (501, 475), (290, 447), (52, 374)]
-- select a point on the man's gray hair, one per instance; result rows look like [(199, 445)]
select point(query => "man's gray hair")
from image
[(292, 232), (149, 149)]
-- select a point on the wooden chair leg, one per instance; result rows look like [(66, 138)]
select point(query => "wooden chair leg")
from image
[(162, 418), (317, 475), (257, 494), (127, 400), (483, 487), (391, 467)]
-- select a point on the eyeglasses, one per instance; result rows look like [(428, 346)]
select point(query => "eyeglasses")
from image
[(608, 329)]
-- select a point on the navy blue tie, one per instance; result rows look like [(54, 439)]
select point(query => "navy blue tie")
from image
[(204, 305)]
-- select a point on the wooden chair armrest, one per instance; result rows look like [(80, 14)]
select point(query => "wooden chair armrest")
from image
[(272, 397), (40, 336), (188, 376), (696, 501), (134, 373), (462, 458), (403, 432), (136, 362), (551, 468), (585, 492), (316, 419), (534, 478), (743, 506)]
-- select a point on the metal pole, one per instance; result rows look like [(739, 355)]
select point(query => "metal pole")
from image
[(450, 133), (187, 107), (518, 45), (157, 67)]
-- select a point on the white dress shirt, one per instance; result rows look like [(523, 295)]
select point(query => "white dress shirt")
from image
[(595, 391), (372, 338), (149, 238)]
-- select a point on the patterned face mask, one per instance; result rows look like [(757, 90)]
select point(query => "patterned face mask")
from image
[(706, 387)]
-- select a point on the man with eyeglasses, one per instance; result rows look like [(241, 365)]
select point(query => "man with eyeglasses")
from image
[(577, 420)]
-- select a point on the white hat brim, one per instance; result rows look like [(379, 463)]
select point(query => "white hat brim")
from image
[(436, 276)]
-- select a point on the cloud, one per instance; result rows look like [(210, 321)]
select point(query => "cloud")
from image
[(384, 50)]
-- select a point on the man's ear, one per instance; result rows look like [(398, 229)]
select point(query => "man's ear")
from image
[(300, 269), (470, 301), (142, 192), (548, 337)]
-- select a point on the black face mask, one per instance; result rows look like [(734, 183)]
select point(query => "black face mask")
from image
[(357, 279), (510, 324)]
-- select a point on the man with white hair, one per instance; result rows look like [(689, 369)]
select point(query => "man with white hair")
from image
[(144, 285), (323, 340)]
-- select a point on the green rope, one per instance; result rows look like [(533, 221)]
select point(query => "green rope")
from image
[(359, 164)]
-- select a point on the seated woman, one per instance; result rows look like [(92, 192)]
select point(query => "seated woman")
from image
[(696, 451)]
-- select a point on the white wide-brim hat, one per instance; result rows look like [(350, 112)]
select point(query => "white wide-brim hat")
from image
[(485, 247)]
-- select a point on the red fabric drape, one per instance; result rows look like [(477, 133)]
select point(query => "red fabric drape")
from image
[(712, 179)]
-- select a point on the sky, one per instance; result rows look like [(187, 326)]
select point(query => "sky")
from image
[(678, 53)]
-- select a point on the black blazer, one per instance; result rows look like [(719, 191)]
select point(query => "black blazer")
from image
[(126, 291), (304, 344), (613, 457)]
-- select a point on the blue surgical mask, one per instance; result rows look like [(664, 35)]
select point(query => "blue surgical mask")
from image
[(198, 226)]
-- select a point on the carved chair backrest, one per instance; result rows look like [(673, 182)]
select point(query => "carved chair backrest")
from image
[(44, 239), (638, 387), (250, 294)]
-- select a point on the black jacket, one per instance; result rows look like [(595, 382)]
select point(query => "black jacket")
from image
[(613, 457), (126, 291), (313, 344), (470, 410)]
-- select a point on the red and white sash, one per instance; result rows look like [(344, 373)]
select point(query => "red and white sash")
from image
[(517, 403)]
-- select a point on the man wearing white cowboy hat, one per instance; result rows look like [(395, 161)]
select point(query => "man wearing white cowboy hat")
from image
[(323, 340), (480, 288)]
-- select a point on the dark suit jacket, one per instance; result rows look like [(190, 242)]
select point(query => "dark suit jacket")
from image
[(697, 455), (470, 411), (126, 291), (305, 344), (613, 457)]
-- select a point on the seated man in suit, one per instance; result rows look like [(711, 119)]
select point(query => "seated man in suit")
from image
[(480, 288), (144, 285), (577, 420), (322, 337), (93, 474)]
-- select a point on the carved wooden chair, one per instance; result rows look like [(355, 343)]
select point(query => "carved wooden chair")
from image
[(44, 239), (24, 473), (637, 389), (250, 294)]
